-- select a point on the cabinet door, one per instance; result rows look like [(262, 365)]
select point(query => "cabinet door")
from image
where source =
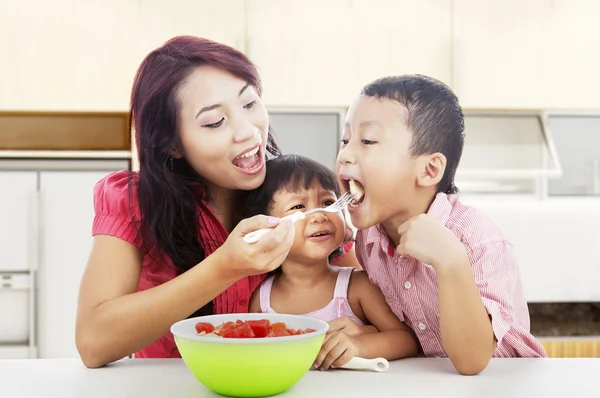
[(18, 217), (527, 54), (67, 214), (557, 246), (577, 140), (91, 50), (498, 53), (321, 53)]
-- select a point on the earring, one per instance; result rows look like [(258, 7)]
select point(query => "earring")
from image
[(171, 162)]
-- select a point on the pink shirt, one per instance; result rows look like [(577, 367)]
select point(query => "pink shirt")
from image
[(338, 307), (410, 286), (117, 213)]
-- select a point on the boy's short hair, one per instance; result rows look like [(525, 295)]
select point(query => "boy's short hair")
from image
[(435, 118), (293, 173)]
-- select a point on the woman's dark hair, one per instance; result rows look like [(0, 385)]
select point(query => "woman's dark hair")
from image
[(293, 173), (167, 188)]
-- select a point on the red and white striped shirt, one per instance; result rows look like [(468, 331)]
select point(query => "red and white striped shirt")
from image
[(410, 286)]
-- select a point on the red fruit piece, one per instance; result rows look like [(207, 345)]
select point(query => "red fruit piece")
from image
[(309, 330), (260, 328), (280, 329), (241, 331), (204, 327), (224, 328)]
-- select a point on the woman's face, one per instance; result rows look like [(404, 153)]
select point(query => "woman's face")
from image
[(223, 129)]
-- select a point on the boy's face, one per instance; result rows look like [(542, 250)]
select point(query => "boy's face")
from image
[(320, 233), (375, 153)]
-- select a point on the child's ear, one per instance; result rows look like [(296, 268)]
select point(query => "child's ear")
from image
[(431, 169)]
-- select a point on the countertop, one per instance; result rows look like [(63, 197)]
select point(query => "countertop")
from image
[(417, 377)]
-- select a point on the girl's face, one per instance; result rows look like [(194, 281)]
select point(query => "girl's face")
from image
[(320, 233), (223, 129)]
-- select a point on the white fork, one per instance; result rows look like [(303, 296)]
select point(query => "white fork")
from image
[(338, 205)]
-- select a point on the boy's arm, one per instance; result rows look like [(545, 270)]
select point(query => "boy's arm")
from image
[(466, 327), (395, 340)]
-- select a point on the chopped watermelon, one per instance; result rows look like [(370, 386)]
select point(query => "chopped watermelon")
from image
[(204, 327), (241, 331), (258, 328), (261, 327)]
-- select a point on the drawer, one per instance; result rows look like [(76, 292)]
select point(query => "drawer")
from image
[(64, 131), (14, 308)]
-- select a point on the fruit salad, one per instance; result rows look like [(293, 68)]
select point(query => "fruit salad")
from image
[(251, 329)]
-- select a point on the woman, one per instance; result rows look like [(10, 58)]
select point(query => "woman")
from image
[(167, 242)]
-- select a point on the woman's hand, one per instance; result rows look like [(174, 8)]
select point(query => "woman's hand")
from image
[(242, 259)]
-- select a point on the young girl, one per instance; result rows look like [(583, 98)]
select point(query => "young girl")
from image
[(363, 324)]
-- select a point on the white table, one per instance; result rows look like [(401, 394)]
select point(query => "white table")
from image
[(419, 377)]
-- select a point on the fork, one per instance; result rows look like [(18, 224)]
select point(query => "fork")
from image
[(338, 205)]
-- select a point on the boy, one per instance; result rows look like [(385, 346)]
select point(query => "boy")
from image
[(446, 269)]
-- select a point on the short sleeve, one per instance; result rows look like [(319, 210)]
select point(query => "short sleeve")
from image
[(116, 209), (345, 250), (496, 272)]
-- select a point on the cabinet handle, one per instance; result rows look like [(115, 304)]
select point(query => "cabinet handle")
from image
[(34, 231), (596, 176)]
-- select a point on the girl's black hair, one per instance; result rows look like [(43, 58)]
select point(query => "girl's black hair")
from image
[(293, 173)]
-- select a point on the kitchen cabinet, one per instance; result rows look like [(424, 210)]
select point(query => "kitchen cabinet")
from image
[(47, 216), (67, 214), (18, 204), (577, 139), (316, 53), (82, 55), (556, 243), (526, 54)]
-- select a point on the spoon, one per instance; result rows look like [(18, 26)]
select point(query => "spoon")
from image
[(376, 364)]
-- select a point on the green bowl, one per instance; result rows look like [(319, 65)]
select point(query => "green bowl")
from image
[(256, 367)]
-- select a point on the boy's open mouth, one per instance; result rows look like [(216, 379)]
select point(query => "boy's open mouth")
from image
[(357, 191)]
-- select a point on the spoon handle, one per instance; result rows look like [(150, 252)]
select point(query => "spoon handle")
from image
[(376, 364)]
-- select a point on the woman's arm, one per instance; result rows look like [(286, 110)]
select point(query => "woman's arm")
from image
[(395, 340), (114, 320)]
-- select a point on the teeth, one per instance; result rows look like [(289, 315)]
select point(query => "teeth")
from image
[(248, 154), (319, 234)]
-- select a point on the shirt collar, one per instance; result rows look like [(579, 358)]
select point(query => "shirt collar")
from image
[(439, 210)]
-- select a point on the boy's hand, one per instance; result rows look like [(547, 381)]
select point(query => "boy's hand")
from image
[(337, 350), (349, 327), (425, 239)]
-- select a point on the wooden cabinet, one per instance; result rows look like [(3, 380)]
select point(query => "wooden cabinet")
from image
[(82, 55), (73, 55), (527, 54), (315, 53)]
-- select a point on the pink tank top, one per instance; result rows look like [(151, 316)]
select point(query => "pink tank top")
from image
[(338, 307)]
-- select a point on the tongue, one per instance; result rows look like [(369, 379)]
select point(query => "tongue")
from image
[(246, 163)]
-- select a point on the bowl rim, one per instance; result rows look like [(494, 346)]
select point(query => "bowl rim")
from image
[(324, 327)]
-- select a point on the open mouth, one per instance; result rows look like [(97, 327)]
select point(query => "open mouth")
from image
[(250, 161), (357, 190), (320, 236)]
